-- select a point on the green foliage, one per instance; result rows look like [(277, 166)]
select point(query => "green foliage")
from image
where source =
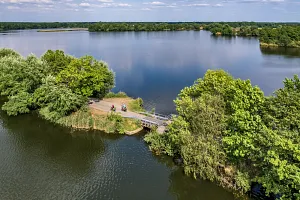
[(169, 143), (88, 77), (8, 52), (4, 26), (202, 150), (118, 122), (131, 26), (18, 74), (285, 36), (56, 100), (280, 144), (233, 135), (18, 104), (31, 83), (220, 29), (142, 26), (57, 61), (116, 95), (136, 105)]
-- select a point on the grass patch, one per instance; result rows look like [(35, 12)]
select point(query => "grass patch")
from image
[(82, 119), (116, 95), (131, 124), (136, 105), (111, 123)]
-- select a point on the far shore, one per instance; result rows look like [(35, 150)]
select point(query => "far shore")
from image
[(63, 30)]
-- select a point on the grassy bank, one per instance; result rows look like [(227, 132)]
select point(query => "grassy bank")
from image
[(97, 120), (134, 105), (291, 45)]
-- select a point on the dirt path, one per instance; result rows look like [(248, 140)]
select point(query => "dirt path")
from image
[(105, 105)]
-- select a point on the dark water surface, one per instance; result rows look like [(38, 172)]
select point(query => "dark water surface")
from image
[(39, 160), (157, 65)]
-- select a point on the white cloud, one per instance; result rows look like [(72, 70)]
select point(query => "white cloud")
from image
[(122, 5), (147, 9), (218, 5), (106, 1), (73, 5), (198, 5), (26, 1), (13, 7), (84, 4), (260, 1), (71, 9), (155, 3), (102, 5)]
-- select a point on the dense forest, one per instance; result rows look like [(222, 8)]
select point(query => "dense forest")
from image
[(228, 132), (128, 26), (284, 36), (5, 26), (55, 85), (142, 26), (270, 35)]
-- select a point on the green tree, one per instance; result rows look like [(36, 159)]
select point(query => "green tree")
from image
[(87, 76), (230, 133), (18, 104), (55, 100), (57, 61), (18, 74), (280, 145), (8, 52)]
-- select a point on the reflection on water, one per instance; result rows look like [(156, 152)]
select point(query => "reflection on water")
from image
[(281, 51), (157, 65), (39, 160), (42, 161)]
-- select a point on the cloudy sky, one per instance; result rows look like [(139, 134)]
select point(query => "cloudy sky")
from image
[(144, 10)]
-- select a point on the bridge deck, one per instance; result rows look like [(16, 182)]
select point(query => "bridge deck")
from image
[(147, 121), (151, 119)]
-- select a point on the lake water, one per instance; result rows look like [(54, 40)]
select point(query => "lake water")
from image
[(39, 160)]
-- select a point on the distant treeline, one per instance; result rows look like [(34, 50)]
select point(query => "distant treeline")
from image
[(270, 34), (5, 26), (283, 35), (128, 26), (142, 26), (178, 26)]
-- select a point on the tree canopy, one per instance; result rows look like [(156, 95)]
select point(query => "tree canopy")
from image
[(55, 85), (87, 76), (228, 132), (4, 26)]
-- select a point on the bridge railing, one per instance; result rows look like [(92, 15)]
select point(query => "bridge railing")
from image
[(158, 116)]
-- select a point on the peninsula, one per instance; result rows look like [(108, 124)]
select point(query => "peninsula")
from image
[(66, 90)]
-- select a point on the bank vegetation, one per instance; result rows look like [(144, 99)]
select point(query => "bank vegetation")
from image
[(58, 87), (228, 132), (270, 34)]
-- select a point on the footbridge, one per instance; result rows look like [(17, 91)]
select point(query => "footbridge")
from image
[(148, 120), (157, 121)]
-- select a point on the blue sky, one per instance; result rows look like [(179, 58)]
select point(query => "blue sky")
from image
[(144, 10)]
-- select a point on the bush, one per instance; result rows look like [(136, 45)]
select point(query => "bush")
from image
[(116, 95), (136, 105)]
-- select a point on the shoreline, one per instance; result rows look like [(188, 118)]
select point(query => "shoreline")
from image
[(61, 30), (272, 45), (98, 116)]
